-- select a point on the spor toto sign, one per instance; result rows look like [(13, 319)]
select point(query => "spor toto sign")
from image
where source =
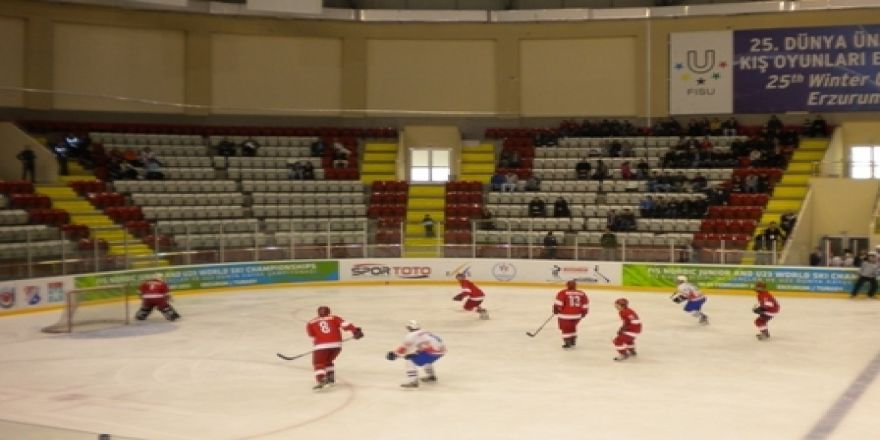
[(384, 270)]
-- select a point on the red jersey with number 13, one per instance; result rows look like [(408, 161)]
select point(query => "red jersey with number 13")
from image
[(326, 331)]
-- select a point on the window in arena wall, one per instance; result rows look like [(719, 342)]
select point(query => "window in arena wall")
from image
[(865, 162), (429, 165)]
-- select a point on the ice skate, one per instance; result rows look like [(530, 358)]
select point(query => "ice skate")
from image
[(484, 314), (320, 385), (632, 352), (763, 336), (429, 379), (621, 357), (410, 385), (704, 319)]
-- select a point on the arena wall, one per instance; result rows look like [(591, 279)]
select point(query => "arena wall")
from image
[(315, 67), (47, 293)]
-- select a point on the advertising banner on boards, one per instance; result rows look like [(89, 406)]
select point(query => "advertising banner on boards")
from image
[(741, 277)]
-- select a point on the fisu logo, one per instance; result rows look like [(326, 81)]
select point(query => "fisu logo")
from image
[(701, 66)]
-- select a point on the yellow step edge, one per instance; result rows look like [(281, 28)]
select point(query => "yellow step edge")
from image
[(370, 147), (427, 191)]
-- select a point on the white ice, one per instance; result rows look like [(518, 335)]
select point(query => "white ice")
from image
[(214, 374)]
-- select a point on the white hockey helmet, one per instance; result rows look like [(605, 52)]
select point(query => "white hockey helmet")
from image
[(681, 279), (413, 325)]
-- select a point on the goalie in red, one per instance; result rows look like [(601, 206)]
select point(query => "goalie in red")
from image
[(473, 294), (571, 305), (326, 333), (154, 293)]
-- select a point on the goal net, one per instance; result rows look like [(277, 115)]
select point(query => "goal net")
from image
[(93, 308)]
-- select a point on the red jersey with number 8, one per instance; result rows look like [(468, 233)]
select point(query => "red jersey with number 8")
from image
[(326, 331)]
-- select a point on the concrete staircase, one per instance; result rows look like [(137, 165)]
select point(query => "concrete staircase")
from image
[(379, 162), (477, 163), (790, 192), (424, 199), (101, 226)]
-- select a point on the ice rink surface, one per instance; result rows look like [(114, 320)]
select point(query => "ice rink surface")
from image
[(215, 375)]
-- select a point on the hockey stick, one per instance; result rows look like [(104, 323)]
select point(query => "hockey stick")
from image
[(534, 333), (596, 269), (297, 356)]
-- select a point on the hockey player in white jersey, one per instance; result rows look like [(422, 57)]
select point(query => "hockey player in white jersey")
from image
[(420, 348), (694, 299)]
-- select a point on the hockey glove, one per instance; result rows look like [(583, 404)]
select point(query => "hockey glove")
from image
[(758, 310), (409, 356), (391, 356), (677, 299), (556, 309), (358, 333), (458, 297)]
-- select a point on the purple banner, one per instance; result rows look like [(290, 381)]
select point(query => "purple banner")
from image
[(822, 69)]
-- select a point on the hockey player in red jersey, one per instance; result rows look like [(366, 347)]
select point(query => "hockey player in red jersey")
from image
[(570, 307), (326, 333), (473, 294), (766, 309), (154, 293), (625, 342)]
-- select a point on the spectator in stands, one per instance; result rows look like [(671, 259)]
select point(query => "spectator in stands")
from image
[(504, 160), (497, 181), (699, 183), (131, 156), (836, 261), (774, 236), (762, 249), (818, 128), (533, 183), (848, 259), (582, 169), (816, 258), (537, 208), (295, 171), (128, 171), (308, 172), (560, 208), (608, 241), (510, 182), (774, 126), (626, 171), (613, 148), (249, 147), (225, 148), (730, 127), (28, 160), (626, 221), (751, 183), (428, 223), (643, 169), (317, 148), (601, 171), (786, 223), (550, 244), (340, 152), (626, 149), (646, 207), (147, 155), (487, 223), (717, 195), (611, 219), (715, 126), (154, 170), (62, 152)]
